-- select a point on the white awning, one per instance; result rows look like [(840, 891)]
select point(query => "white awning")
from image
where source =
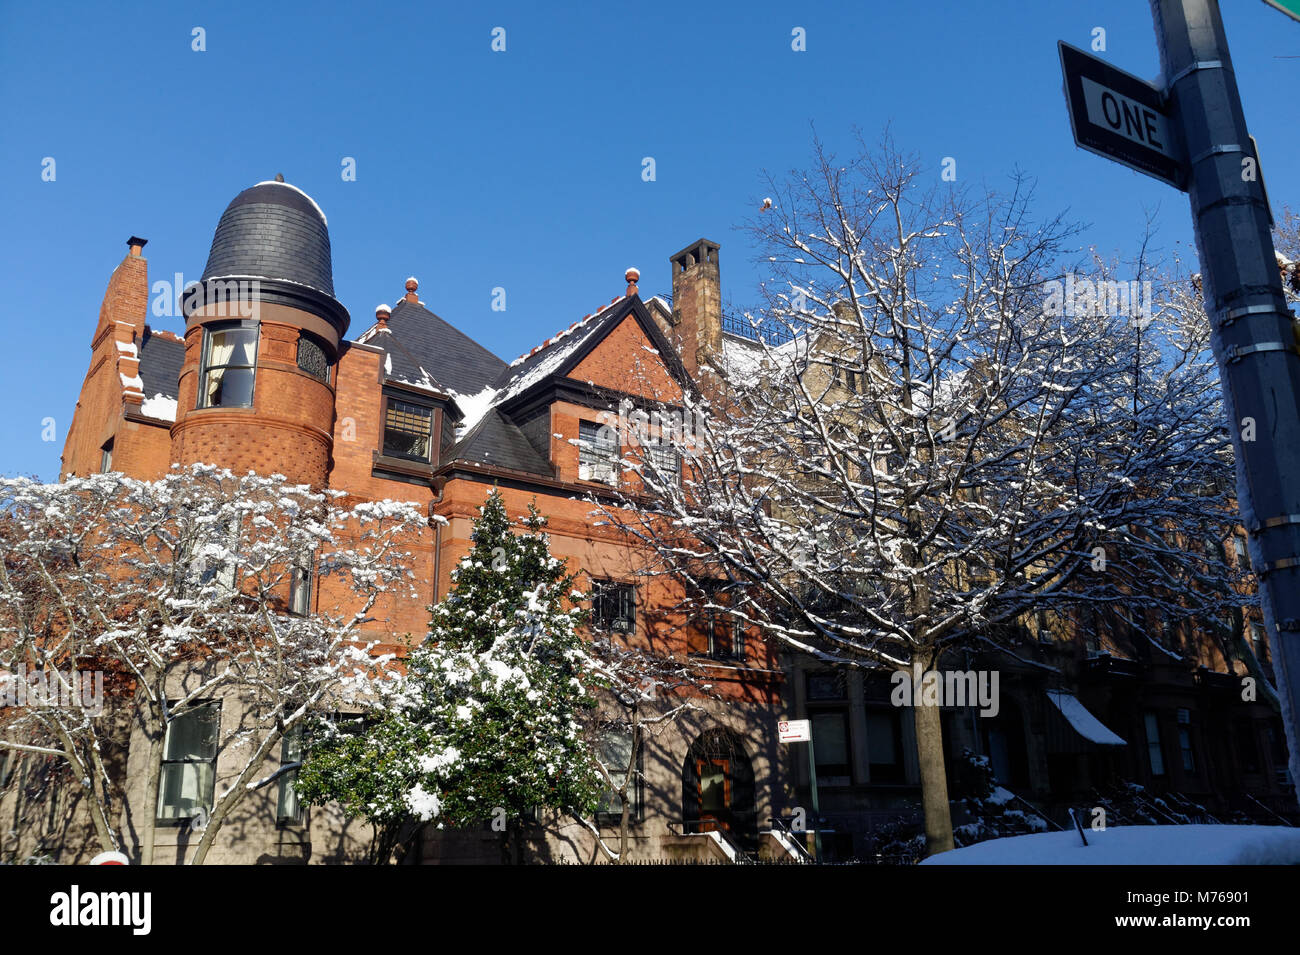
[(1082, 721)]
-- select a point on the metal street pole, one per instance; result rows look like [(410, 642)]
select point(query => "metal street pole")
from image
[(817, 812), (1252, 330)]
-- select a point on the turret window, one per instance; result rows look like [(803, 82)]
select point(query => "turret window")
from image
[(228, 366)]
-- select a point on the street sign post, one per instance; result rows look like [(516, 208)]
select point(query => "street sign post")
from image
[(800, 731), (1116, 115), (1252, 329), (1207, 151), (794, 731)]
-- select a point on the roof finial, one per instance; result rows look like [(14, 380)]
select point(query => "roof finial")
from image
[(632, 276), (412, 285), (279, 177)]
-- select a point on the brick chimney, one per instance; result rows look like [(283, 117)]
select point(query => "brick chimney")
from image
[(697, 303)]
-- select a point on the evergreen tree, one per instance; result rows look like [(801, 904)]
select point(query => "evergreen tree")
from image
[(485, 724)]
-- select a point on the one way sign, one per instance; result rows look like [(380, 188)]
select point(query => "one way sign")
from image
[(1117, 115)]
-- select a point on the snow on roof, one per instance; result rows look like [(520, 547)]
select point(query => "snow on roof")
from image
[(555, 354), (159, 406), (741, 358), (259, 278), (580, 323), (1137, 845), (372, 331), (272, 182), (474, 407), (1082, 721)]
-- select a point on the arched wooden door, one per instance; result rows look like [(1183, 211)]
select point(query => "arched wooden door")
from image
[(718, 787)]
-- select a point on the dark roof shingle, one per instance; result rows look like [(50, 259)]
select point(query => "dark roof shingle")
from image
[(450, 356), (161, 357), (496, 441)]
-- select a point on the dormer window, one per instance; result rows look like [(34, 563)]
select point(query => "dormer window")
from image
[(408, 430), (228, 365)]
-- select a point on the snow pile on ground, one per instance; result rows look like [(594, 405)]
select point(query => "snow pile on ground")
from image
[(1137, 845)]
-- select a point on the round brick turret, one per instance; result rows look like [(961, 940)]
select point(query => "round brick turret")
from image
[(262, 339)]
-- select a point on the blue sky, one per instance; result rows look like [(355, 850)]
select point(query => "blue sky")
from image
[(522, 169)]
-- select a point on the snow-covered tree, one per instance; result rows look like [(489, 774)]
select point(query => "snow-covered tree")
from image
[(486, 724), (182, 590), (954, 431)]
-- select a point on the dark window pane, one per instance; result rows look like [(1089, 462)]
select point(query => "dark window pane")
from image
[(825, 686), (884, 745)]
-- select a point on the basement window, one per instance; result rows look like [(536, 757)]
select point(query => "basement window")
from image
[(228, 365)]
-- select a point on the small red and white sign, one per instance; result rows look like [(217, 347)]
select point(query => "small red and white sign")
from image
[(110, 858), (794, 731)]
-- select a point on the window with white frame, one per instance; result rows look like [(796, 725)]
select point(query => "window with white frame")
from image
[(598, 453), (228, 366), (189, 766), (287, 808)]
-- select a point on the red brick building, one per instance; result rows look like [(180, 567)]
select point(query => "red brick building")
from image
[(267, 379)]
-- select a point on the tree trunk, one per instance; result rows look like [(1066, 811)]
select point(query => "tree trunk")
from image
[(154, 733), (934, 780)]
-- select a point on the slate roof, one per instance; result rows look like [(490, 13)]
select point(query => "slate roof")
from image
[(423, 349), (160, 364), (275, 231), (495, 440), (453, 359), (400, 364)]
